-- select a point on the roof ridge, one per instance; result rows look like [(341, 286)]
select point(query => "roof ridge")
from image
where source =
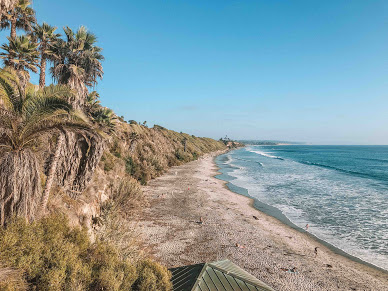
[(251, 279)]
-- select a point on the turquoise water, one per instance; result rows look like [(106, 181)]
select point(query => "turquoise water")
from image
[(340, 191)]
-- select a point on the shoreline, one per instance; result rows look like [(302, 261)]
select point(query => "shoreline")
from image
[(234, 229), (278, 215)]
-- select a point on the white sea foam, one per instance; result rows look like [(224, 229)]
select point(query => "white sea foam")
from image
[(347, 242), (340, 209), (265, 154)]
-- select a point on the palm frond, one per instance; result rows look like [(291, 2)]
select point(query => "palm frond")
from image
[(28, 116), (10, 89), (21, 53)]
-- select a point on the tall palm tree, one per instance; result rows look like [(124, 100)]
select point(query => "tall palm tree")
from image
[(46, 38), (77, 62), (6, 5), (21, 54), (21, 17), (26, 117)]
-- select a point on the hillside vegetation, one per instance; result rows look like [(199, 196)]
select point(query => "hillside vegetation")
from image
[(132, 155), (51, 255), (148, 152)]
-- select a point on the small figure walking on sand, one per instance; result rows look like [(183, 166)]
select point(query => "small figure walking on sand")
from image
[(316, 251), (239, 246), (200, 220), (307, 227)]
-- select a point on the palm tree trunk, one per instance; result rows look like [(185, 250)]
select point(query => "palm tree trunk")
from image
[(51, 173), (20, 189), (42, 76), (24, 78), (13, 28)]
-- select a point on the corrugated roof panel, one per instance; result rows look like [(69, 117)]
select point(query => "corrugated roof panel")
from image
[(214, 278), (242, 284), (231, 268), (202, 286), (184, 278), (217, 276), (251, 287), (223, 279), (209, 282), (232, 282)]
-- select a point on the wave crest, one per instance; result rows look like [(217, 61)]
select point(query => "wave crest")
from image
[(267, 155)]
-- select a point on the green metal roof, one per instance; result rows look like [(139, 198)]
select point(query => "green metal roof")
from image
[(217, 276)]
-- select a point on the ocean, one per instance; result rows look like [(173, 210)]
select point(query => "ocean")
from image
[(340, 191)]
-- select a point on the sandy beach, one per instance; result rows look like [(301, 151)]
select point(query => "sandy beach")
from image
[(232, 229)]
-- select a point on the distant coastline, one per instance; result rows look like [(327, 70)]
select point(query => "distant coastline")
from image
[(270, 142)]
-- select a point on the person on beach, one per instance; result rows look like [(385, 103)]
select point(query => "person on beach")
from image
[(316, 251), (240, 246), (307, 227)]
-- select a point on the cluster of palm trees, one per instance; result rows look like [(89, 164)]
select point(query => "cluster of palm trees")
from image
[(76, 59), (31, 114)]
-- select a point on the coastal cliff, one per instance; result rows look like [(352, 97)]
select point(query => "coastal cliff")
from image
[(133, 152)]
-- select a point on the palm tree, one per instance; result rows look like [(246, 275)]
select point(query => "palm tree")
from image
[(92, 103), (21, 54), (77, 62), (6, 5), (26, 117), (46, 37), (105, 116), (21, 17)]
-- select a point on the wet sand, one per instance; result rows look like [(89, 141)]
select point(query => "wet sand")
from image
[(232, 229)]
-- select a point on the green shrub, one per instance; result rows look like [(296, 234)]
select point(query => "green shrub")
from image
[(179, 155), (157, 165), (152, 276), (108, 160), (54, 256), (195, 156), (109, 272), (115, 149), (143, 179), (127, 195), (108, 167), (156, 126), (130, 166), (49, 252)]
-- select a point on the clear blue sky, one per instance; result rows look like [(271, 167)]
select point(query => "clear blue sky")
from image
[(314, 71)]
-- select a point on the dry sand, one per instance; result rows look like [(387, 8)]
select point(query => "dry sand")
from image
[(171, 231)]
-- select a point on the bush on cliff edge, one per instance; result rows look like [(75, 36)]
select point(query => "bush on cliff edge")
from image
[(54, 256)]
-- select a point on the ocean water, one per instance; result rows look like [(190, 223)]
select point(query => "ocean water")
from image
[(340, 191)]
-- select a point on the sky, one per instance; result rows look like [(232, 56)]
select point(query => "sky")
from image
[(308, 71)]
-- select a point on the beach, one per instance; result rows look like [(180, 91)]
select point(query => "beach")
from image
[(192, 217)]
